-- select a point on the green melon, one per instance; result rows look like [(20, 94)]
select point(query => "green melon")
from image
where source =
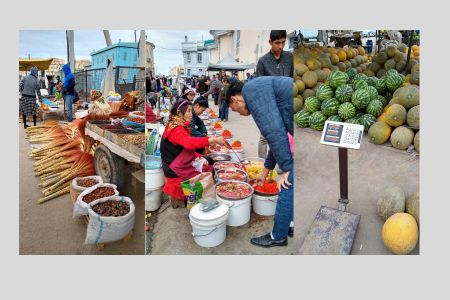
[(375, 108), (399, 57), (390, 50), (391, 202), (298, 103), (397, 91), (381, 58), (394, 100), (415, 74), (402, 137), (374, 67), (361, 76), (330, 107), (367, 120), (381, 73), (402, 48), (380, 85), (382, 100), (409, 96), (320, 75), (300, 69), (358, 84), (310, 79), (361, 99), (393, 80), (324, 92), (312, 104), (379, 132), (301, 119), (308, 93), (400, 66), (344, 93), (395, 115), (389, 64), (341, 66), (351, 73), (317, 120), (372, 92), (413, 117), (417, 142), (387, 95), (335, 118), (346, 110), (372, 81), (337, 78), (412, 206)]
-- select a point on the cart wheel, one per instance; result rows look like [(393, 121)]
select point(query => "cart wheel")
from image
[(109, 166)]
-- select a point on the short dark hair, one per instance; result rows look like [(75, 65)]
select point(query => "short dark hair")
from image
[(180, 106), (234, 89), (201, 101), (277, 35)]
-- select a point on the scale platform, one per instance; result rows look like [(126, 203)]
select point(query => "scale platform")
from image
[(331, 233)]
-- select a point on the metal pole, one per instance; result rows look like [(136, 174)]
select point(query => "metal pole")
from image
[(343, 175), (409, 51), (85, 86)]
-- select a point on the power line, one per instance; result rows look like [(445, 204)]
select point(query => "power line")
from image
[(156, 46)]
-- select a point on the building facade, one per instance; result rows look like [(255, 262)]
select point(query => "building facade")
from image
[(195, 57)]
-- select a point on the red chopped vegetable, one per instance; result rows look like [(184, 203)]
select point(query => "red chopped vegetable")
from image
[(269, 187), (226, 133)]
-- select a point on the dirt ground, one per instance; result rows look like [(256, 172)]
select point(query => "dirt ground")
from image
[(49, 228), (372, 169), (170, 228)]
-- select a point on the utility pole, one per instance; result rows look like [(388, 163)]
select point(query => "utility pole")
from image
[(70, 49)]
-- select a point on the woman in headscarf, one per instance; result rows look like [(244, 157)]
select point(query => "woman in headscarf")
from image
[(178, 151), (68, 91), (29, 87)]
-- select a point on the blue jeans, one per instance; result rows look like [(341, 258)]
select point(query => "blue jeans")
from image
[(224, 110), (68, 102), (284, 212)]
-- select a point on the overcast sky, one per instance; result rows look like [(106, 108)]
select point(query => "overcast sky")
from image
[(52, 43)]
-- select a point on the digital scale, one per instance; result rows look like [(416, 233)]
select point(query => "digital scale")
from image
[(333, 230)]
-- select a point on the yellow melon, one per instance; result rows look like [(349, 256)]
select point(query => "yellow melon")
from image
[(334, 58), (342, 55), (361, 51), (400, 233), (349, 53)]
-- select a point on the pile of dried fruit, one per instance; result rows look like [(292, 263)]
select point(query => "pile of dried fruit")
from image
[(111, 208), (136, 120), (101, 192), (113, 126), (136, 139), (139, 113), (86, 182)]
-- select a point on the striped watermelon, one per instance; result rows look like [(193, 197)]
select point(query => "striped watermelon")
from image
[(337, 78), (351, 73), (335, 118), (324, 92), (361, 98), (330, 107), (372, 92), (361, 76), (372, 81), (353, 121), (358, 84), (380, 85), (344, 93), (347, 110), (382, 99), (301, 119), (367, 121), (393, 80), (388, 95), (375, 108), (317, 120), (312, 104)]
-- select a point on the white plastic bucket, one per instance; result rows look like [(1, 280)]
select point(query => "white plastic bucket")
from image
[(209, 228), (236, 155), (264, 205), (153, 199), (154, 179), (239, 210)]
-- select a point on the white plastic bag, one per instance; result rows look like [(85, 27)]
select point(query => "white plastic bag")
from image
[(109, 229), (81, 208), (78, 188)]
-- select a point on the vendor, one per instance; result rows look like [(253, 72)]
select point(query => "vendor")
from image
[(178, 151), (269, 100)]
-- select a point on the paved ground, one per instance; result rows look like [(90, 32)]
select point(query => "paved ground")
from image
[(372, 169), (50, 229), (170, 228)]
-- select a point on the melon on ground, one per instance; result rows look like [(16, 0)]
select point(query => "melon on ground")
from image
[(413, 117), (409, 96), (298, 103), (412, 206), (392, 201), (417, 142), (379, 132), (402, 137), (395, 115), (400, 233)]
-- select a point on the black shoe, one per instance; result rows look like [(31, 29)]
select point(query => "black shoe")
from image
[(291, 232), (26, 126), (266, 241)]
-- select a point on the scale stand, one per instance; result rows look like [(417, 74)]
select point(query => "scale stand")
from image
[(333, 230)]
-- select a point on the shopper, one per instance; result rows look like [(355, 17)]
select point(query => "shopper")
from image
[(276, 62), (223, 115), (188, 94), (215, 86), (68, 91), (269, 100), (198, 107), (178, 151), (29, 87)]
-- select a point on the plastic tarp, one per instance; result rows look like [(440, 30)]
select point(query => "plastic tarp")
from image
[(108, 80), (228, 63), (42, 64)]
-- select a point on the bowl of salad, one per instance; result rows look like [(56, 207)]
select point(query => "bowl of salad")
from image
[(231, 174), (233, 190)]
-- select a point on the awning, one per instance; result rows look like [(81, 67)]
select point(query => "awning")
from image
[(42, 64), (228, 63)]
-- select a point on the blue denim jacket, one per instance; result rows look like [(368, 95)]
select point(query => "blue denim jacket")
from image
[(270, 101)]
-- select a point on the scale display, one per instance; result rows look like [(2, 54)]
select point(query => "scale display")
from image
[(344, 135)]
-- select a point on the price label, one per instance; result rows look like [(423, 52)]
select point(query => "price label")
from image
[(342, 135)]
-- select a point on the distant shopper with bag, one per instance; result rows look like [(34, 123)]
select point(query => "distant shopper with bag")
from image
[(29, 86)]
